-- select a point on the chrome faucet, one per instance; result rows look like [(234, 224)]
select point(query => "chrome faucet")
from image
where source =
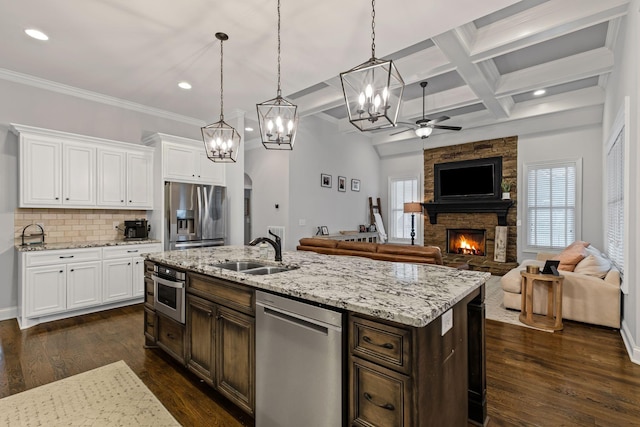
[(277, 244)]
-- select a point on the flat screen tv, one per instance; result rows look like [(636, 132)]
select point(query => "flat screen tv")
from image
[(477, 179)]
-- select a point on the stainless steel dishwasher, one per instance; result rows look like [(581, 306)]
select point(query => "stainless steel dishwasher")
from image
[(298, 364)]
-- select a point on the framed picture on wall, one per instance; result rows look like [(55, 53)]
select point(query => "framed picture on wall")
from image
[(325, 180), (342, 183), (355, 185)]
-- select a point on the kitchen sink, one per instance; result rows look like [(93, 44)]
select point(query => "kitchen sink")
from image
[(240, 265), (252, 267), (267, 270)]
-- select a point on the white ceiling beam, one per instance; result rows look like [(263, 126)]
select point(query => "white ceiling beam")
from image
[(541, 23)]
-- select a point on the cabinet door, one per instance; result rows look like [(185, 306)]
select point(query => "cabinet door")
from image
[(40, 173), (200, 333), (117, 280), (84, 284), (140, 180), (170, 336), (46, 290), (79, 172), (209, 172), (138, 276), (180, 163), (235, 357), (112, 174)]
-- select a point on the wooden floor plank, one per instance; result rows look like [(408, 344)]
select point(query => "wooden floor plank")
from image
[(580, 376)]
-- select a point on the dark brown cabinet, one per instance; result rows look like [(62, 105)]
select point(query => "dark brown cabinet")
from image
[(221, 337), (170, 336)]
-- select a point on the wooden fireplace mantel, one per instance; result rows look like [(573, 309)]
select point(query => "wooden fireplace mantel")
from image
[(499, 207)]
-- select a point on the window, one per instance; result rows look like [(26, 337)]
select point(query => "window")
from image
[(615, 150), (552, 191), (401, 191)]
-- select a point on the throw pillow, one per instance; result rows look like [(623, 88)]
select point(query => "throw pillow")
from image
[(571, 256), (595, 264)]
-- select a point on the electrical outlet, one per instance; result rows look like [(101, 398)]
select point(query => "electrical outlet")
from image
[(116, 224), (447, 321)]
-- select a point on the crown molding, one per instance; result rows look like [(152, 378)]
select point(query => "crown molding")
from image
[(52, 86)]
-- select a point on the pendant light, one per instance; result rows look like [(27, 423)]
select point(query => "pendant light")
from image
[(221, 141), (278, 118), (373, 89)]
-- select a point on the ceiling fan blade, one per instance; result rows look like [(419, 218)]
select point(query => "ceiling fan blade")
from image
[(402, 131), (438, 119), (447, 127)]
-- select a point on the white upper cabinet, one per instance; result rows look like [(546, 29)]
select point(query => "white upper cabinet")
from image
[(59, 169), (184, 160)]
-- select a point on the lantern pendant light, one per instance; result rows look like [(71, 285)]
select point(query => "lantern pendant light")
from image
[(221, 141), (373, 90), (278, 118)]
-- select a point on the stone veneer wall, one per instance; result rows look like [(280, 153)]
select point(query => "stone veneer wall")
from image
[(75, 225), (436, 234)]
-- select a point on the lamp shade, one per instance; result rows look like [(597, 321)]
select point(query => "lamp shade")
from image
[(221, 142), (412, 207), (278, 120), (424, 131)]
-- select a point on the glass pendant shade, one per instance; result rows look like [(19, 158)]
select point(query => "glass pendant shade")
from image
[(278, 121), (372, 93), (424, 131), (221, 142)]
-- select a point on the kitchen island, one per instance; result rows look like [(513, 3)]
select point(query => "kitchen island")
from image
[(415, 332)]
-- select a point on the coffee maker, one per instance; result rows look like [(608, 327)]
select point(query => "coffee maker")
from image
[(136, 229)]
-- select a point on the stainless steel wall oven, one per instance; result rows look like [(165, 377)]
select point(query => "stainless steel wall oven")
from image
[(169, 292)]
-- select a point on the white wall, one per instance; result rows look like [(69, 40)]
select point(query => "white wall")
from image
[(585, 144), (622, 83)]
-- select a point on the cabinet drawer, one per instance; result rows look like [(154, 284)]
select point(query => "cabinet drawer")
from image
[(149, 291), (124, 251), (62, 256), (170, 336), (380, 397), (226, 293), (381, 343)]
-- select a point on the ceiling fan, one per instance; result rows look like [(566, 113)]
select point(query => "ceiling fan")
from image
[(425, 126)]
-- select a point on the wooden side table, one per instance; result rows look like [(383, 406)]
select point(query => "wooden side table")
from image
[(553, 320)]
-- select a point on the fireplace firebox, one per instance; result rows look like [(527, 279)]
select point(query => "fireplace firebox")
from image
[(466, 241)]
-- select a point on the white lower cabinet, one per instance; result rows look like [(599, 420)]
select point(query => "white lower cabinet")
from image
[(123, 271), (61, 283)]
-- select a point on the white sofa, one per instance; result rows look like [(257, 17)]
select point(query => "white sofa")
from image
[(591, 293)]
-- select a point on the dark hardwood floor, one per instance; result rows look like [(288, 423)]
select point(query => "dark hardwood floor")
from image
[(580, 376)]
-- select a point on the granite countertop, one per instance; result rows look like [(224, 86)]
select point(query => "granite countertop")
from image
[(81, 245), (411, 294)]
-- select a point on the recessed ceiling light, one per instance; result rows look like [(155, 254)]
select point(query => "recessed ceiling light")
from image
[(539, 92), (248, 129), (36, 34), (184, 85)]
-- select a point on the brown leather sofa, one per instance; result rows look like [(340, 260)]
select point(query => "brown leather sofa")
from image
[(379, 251)]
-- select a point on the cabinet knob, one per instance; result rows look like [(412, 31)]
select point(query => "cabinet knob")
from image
[(121, 201), (61, 271), (130, 201), (193, 174), (57, 198), (66, 198), (72, 269)]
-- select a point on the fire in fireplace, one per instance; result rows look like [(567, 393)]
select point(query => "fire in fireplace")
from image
[(466, 241)]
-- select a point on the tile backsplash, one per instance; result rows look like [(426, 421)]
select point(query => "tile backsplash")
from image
[(75, 225)]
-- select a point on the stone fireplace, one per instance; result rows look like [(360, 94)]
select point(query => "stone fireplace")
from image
[(475, 220), (464, 241)]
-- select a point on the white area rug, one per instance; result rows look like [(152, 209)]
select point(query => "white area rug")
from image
[(108, 396), (495, 310)]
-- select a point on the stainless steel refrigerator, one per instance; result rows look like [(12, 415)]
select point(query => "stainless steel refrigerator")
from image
[(196, 215)]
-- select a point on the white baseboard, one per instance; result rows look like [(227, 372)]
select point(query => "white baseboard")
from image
[(8, 313), (632, 347)]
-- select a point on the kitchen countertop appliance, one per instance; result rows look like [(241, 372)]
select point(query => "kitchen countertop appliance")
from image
[(136, 229), (299, 365), (195, 215)]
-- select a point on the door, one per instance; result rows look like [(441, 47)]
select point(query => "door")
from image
[(200, 333), (112, 174), (46, 290), (79, 177), (213, 212), (235, 357), (140, 180), (179, 163), (209, 172), (40, 173), (117, 280), (84, 284)]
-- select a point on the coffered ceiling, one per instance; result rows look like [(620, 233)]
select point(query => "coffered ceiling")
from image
[(482, 59)]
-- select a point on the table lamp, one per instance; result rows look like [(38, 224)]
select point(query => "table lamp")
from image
[(413, 208)]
